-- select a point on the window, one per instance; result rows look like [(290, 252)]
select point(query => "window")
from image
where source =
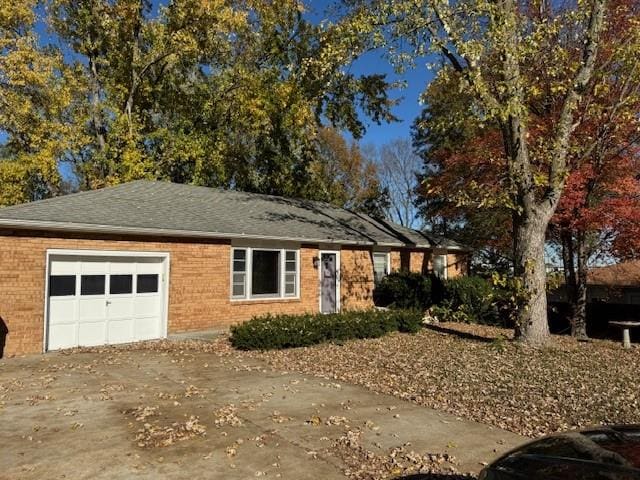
[(264, 273), (61, 285), (380, 265), (239, 273), (120, 284), (147, 283), (440, 266), (92, 285), (290, 273)]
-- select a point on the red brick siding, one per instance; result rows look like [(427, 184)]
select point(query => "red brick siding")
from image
[(199, 295), (198, 290)]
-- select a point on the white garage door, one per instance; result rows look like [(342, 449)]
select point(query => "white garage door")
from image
[(95, 300)]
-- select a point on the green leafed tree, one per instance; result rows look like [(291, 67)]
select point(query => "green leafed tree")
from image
[(35, 108), (214, 92)]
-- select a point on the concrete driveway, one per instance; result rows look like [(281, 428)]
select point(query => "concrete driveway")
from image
[(176, 413)]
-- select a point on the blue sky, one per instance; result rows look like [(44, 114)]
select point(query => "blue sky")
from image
[(408, 107)]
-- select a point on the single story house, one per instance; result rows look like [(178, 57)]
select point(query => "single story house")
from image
[(618, 283), (142, 259)]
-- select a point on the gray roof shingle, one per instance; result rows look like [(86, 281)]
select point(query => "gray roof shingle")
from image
[(160, 208)]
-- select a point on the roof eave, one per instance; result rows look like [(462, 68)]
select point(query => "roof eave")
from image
[(161, 232)]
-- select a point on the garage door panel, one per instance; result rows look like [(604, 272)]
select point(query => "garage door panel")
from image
[(120, 331), (91, 334), (62, 310), (97, 266), (121, 308), (63, 267), (146, 328), (149, 266), (91, 309), (97, 300), (147, 306), (62, 336)]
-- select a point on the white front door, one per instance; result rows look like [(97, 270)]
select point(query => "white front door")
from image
[(96, 300)]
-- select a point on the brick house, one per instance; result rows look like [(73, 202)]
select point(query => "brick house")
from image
[(144, 259)]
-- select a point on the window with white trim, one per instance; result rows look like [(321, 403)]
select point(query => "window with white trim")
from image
[(264, 273), (380, 265), (440, 266)]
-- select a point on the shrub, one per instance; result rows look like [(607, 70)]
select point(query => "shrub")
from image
[(407, 321), (474, 300), (474, 295), (288, 331), (406, 290)]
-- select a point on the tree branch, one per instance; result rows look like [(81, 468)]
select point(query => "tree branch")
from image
[(565, 121)]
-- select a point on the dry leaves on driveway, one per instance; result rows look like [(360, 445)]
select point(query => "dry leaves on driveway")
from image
[(474, 372)]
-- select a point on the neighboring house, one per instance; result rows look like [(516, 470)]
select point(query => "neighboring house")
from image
[(619, 283), (143, 259), (613, 293)]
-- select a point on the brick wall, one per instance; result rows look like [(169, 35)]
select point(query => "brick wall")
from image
[(356, 279), (199, 295)]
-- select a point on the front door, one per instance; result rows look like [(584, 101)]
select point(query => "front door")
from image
[(328, 282)]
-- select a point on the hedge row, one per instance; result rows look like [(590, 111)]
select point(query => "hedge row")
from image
[(287, 331)]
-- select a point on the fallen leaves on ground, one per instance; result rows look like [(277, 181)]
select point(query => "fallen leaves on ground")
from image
[(476, 372), (156, 435), (362, 464), (227, 415)]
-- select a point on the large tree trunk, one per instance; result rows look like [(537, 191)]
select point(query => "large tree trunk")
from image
[(529, 240)]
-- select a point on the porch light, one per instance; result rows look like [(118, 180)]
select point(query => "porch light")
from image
[(316, 261)]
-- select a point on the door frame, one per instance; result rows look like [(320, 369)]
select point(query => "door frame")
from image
[(165, 256), (338, 293)]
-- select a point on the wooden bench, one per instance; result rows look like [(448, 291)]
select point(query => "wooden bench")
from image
[(625, 326)]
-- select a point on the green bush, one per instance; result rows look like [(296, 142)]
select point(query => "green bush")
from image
[(407, 321), (288, 331), (403, 290), (474, 298)]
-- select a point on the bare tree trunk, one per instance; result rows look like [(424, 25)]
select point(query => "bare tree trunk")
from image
[(529, 240), (574, 260)]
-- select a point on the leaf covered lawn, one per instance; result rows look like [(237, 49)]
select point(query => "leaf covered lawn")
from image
[(477, 373)]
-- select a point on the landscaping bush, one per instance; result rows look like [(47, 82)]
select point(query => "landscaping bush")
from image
[(288, 331), (472, 299), (406, 290), (407, 321)]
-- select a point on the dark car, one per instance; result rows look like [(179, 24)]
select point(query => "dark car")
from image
[(611, 453)]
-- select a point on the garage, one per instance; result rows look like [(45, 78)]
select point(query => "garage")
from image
[(105, 298)]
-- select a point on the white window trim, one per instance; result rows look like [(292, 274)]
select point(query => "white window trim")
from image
[(248, 296)]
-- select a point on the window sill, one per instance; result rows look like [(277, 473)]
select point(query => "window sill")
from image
[(253, 301)]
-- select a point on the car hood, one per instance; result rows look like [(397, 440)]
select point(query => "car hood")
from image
[(611, 453)]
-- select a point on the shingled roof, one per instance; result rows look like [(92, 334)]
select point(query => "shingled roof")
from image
[(624, 274), (168, 209)]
